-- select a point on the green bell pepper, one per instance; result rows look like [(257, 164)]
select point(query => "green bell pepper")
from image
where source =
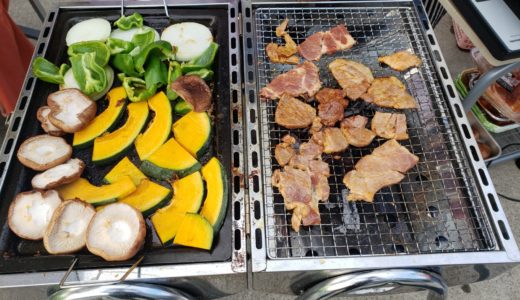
[(47, 71), (117, 46), (102, 53), (90, 76), (204, 61), (124, 63), (161, 48), (202, 73), (126, 23), (144, 38), (174, 72), (136, 89)]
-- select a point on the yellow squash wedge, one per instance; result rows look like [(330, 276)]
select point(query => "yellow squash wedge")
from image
[(215, 204), (110, 147), (193, 132), (148, 197), (166, 222), (195, 231), (158, 129), (104, 122), (124, 168), (170, 160), (97, 195)]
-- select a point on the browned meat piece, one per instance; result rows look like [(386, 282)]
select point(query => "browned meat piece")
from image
[(389, 92), (353, 77), (311, 150), (303, 80), (332, 139), (353, 128), (390, 126), (316, 125), (283, 54), (285, 150), (292, 113), (385, 166), (401, 61), (319, 179), (329, 42), (332, 105), (193, 90)]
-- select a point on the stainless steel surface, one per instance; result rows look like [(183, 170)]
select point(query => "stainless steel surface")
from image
[(485, 137), (440, 207), (121, 291), (509, 141), (376, 282), (238, 262)]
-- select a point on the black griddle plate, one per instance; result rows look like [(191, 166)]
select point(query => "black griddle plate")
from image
[(28, 256)]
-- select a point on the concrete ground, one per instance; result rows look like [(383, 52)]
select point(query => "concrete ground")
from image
[(505, 177)]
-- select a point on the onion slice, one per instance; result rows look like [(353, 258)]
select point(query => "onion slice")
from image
[(190, 39), (30, 213), (96, 29)]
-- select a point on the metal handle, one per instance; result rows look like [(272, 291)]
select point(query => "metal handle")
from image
[(63, 280), (376, 281), (122, 4), (121, 291)]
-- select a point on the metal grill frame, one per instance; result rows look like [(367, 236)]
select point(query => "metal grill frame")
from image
[(238, 262), (262, 259)]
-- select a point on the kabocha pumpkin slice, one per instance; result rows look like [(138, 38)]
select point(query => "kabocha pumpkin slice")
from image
[(71, 110), (148, 197), (193, 90), (59, 175), (116, 232), (188, 193), (111, 146), (30, 213), (166, 222), (43, 152), (158, 130), (124, 168), (105, 121), (170, 160), (215, 204), (195, 231), (43, 116), (193, 132), (67, 230), (97, 195)]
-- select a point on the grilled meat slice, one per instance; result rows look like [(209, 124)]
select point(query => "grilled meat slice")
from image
[(292, 113), (390, 125), (328, 42), (332, 139), (303, 80), (311, 150), (401, 61), (285, 150), (280, 29), (283, 54), (389, 92), (353, 77), (353, 128), (385, 166), (332, 104)]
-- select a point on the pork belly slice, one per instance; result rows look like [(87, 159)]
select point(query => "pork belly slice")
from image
[(355, 78), (353, 128), (390, 125), (401, 61), (292, 113), (303, 80), (332, 140), (326, 42), (332, 104), (385, 166), (389, 92), (284, 151)]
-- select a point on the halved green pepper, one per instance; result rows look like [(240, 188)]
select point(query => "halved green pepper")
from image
[(126, 23), (204, 61)]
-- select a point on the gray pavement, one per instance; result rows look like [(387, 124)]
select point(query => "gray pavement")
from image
[(505, 177)]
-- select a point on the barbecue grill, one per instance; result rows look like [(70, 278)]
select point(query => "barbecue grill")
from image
[(442, 225), (444, 213)]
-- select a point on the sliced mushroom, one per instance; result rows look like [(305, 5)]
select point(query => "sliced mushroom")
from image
[(30, 213), (71, 110), (43, 116), (193, 90), (59, 175), (43, 152), (67, 230), (116, 232)]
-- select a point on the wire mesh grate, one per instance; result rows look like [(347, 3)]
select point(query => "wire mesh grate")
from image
[(436, 208)]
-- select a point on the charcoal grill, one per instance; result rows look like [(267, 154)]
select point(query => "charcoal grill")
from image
[(24, 263), (444, 213)]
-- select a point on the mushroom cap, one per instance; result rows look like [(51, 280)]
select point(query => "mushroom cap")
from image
[(59, 175), (43, 152), (30, 213), (116, 232), (67, 230), (193, 90), (71, 110), (43, 116)]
